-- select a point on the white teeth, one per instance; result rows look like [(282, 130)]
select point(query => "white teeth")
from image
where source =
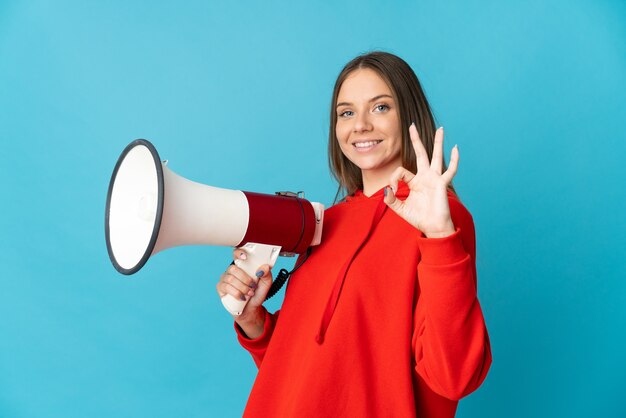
[(366, 144)]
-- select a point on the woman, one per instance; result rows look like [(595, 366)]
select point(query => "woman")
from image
[(382, 320)]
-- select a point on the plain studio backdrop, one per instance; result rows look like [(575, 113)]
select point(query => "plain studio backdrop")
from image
[(236, 95)]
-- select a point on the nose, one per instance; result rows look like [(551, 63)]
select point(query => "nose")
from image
[(362, 122)]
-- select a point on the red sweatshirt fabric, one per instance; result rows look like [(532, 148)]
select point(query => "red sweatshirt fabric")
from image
[(380, 321)]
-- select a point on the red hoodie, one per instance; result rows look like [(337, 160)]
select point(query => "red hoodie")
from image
[(360, 334)]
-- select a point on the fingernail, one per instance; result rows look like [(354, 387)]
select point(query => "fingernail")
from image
[(385, 191), (242, 256), (259, 274), (253, 285), (243, 298)]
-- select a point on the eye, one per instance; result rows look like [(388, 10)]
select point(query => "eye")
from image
[(381, 108), (346, 114)]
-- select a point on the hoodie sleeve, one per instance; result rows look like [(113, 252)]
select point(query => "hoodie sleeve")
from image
[(258, 346), (450, 341)]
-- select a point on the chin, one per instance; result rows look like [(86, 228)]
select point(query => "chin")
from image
[(371, 163), (373, 167)]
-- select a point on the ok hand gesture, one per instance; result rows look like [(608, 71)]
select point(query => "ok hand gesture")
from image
[(426, 207)]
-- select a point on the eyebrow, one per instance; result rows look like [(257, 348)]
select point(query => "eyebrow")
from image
[(373, 99)]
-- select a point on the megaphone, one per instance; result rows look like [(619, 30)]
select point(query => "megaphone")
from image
[(150, 208)]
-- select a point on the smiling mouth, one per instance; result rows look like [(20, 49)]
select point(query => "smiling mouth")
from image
[(364, 145)]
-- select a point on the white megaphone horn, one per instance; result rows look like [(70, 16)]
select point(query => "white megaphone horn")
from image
[(150, 208)]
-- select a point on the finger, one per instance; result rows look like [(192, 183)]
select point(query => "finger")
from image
[(392, 201), (241, 276), (220, 288), (437, 161), (239, 253), (264, 276), (420, 152), (246, 289), (398, 174), (453, 166), (224, 288)]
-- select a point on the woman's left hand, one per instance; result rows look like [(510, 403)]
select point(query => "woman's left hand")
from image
[(426, 207)]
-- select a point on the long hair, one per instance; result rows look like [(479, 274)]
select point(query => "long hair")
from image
[(413, 108)]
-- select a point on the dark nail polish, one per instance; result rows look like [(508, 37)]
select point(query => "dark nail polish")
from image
[(243, 298), (385, 191), (259, 274), (253, 285)]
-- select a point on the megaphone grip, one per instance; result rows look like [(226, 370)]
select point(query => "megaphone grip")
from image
[(234, 306), (257, 255)]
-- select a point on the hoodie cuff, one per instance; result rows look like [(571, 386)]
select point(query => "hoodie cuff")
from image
[(263, 340), (442, 251)]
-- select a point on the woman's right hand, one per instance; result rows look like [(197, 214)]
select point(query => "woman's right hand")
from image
[(237, 283)]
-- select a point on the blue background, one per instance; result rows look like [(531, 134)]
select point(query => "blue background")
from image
[(236, 94)]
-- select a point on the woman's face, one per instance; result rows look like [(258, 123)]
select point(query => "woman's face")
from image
[(368, 124)]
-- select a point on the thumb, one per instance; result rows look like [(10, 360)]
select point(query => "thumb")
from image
[(392, 201), (264, 276)]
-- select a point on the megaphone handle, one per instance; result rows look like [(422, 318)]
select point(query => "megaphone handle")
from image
[(257, 255)]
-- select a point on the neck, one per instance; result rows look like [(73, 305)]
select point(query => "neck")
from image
[(374, 180)]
